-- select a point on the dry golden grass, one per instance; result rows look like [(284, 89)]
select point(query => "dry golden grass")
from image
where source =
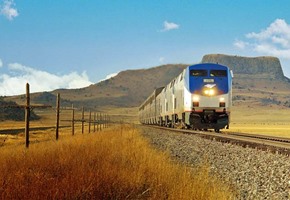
[(12, 132), (114, 164), (273, 121)]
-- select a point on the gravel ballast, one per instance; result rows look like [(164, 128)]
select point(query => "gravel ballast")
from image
[(254, 173)]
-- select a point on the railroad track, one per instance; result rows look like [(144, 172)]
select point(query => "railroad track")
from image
[(272, 144)]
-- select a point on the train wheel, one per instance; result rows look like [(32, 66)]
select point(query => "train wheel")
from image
[(217, 130)]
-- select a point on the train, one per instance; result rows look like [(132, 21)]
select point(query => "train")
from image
[(199, 98)]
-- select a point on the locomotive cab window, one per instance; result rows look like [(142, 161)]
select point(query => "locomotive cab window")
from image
[(196, 72), (218, 73)]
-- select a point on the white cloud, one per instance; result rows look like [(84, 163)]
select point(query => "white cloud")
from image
[(240, 44), (167, 26), (1, 63), (14, 82), (110, 76), (274, 40), (279, 29), (8, 11)]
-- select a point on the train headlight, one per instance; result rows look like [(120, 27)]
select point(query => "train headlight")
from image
[(222, 102), (195, 102), (209, 92)]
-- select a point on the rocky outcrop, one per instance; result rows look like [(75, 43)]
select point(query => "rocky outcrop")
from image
[(261, 67)]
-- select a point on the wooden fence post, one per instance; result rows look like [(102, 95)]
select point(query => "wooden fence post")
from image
[(101, 118), (90, 118), (27, 114), (94, 121), (109, 120), (104, 120), (98, 120), (73, 121), (83, 119), (57, 116)]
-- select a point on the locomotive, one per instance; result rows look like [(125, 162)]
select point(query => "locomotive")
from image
[(198, 98)]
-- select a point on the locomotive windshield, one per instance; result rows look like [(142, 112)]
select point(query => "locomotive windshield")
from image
[(218, 73), (196, 72)]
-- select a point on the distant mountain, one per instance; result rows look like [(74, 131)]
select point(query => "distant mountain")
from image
[(257, 81)]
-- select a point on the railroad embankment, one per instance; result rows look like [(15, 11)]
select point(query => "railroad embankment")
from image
[(255, 174)]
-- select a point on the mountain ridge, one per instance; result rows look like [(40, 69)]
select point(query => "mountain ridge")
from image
[(257, 80)]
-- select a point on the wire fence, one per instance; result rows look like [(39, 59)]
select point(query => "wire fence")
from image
[(54, 122)]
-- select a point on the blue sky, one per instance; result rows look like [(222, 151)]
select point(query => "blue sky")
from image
[(75, 43)]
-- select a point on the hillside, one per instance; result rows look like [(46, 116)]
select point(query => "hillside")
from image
[(257, 81), (127, 89), (9, 110)]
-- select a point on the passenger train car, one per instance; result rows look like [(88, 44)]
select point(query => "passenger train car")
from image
[(198, 98)]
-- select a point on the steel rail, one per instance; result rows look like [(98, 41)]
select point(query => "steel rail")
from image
[(272, 144)]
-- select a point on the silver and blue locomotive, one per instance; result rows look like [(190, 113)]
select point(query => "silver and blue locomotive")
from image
[(198, 98)]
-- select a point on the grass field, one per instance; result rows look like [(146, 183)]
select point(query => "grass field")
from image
[(12, 132), (248, 119), (116, 163), (261, 120)]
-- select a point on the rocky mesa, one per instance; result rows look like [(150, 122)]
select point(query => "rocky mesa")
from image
[(260, 67)]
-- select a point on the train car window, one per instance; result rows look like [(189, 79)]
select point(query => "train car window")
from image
[(196, 72), (218, 73)]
